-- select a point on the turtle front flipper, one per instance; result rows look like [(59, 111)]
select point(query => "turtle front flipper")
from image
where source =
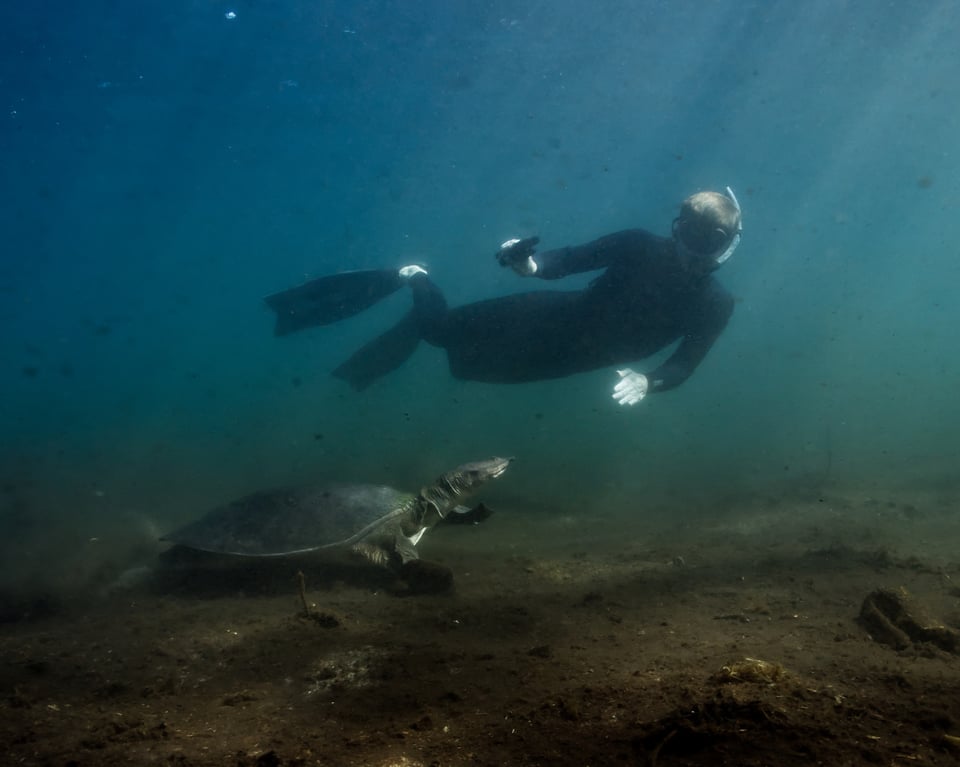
[(464, 515), (406, 547), (391, 552), (414, 575)]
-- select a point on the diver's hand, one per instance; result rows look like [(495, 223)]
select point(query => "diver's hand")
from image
[(518, 255), (631, 388)]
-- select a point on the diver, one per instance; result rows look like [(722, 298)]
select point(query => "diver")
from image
[(653, 291)]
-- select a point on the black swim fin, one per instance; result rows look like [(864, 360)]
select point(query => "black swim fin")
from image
[(330, 299), (382, 355)]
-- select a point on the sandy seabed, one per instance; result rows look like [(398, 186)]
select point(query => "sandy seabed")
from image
[(565, 640)]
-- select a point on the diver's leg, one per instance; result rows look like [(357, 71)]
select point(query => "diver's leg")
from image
[(382, 355), (429, 308), (389, 350)]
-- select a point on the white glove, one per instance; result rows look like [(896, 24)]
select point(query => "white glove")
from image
[(631, 388), (526, 268), (518, 255)]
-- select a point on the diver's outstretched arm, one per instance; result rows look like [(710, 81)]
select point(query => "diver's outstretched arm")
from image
[(591, 256)]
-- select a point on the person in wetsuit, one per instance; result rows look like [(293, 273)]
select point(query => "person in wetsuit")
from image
[(653, 291)]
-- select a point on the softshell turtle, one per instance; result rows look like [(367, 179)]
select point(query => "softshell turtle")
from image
[(380, 523)]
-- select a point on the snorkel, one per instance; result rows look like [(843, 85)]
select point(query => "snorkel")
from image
[(736, 237)]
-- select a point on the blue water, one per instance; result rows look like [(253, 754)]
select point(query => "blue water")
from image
[(165, 167)]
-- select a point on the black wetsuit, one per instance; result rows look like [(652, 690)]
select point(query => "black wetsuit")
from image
[(643, 301)]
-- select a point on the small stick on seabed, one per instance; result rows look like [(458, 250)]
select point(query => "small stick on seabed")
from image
[(302, 582)]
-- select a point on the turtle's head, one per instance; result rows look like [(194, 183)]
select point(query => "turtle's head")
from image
[(450, 488), (470, 476)]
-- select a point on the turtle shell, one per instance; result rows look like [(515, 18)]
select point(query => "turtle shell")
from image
[(273, 523)]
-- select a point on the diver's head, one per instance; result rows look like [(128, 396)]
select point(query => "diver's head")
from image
[(707, 231)]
